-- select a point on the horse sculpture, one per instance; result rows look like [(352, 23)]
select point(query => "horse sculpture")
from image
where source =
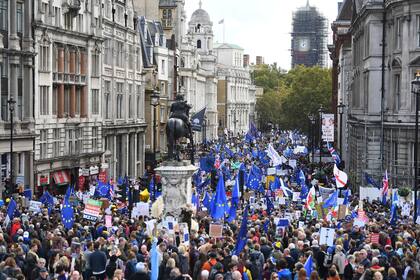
[(177, 127)]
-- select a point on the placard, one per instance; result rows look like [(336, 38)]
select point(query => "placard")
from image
[(301, 224), (292, 163), (35, 206), (282, 200), (342, 211), (326, 236), (271, 171), (296, 196), (108, 221), (374, 238), (92, 210), (216, 230)]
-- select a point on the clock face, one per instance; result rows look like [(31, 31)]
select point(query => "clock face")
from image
[(303, 44)]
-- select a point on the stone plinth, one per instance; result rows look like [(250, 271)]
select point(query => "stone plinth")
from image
[(176, 186)]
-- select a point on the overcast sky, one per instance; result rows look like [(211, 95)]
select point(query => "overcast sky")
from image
[(261, 27)]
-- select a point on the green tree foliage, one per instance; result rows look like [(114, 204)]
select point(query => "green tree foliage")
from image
[(289, 98)]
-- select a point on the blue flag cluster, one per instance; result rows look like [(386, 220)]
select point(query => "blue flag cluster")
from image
[(241, 239), (219, 203)]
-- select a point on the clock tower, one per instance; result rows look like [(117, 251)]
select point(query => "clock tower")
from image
[(309, 37)]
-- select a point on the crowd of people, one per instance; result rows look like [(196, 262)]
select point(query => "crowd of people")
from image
[(37, 246)]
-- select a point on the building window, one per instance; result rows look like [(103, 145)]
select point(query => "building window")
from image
[(397, 91), (56, 143), (94, 139), (167, 18), (138, 60), (57, 16), (73, 142), (120, 97), (44, 57), (131, 57), (80, 26), (43, 144), (4, 15), (398, 33), (95, 101), (68, 21), (163, 67), (120, 54), (78, 99), (19, 17), (66, 101), (95, 64), (54, 100), (198, 44), (108, 52), (43, 100), (131, 103), (140, 100), (107, 97)]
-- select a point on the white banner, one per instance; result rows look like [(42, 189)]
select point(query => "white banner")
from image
[(328, 127)]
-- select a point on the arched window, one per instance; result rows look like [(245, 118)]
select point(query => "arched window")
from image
[(198, 44)]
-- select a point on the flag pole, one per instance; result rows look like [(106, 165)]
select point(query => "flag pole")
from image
[(224, 29)]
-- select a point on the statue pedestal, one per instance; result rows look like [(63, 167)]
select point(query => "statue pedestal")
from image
[(176, 186)]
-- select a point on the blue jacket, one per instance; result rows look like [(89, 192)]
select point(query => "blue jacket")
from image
[(285, 274), (97, 261)]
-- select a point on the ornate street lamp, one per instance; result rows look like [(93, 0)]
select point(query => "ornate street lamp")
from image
[(312, 119), (415, 88), (154, 101), (320, 112), (340, 109), (11, 102)]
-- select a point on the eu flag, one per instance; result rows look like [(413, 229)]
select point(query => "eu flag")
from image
[(235, 191), (270, 206), (232, 212), (47, 200), (102, 189), (206, 201), (11, 212), (331, 201), (67, 216), (218, 208), (394, 209), (254, 178), (241, 238)]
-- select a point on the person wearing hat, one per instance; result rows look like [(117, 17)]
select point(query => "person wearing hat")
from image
[(339, 260)]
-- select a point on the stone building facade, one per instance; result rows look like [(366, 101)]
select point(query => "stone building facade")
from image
[(234, 97), (16, 67), (68, 120), (381, 120), (123, 91)]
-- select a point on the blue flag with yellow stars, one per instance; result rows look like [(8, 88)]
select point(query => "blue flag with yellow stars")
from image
[(254, 178), (67, 216), (219, 206), (241, 238)]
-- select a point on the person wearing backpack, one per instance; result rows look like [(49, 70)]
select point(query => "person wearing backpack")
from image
[(210, 263), (216, 269)]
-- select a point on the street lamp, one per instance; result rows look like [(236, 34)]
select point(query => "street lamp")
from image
[(154, 101), (204, 131), (415, 88), (320, 112), (340, 109), (11, 102), (312, 120)]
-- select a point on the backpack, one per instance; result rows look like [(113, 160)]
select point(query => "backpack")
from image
[(213, 271)]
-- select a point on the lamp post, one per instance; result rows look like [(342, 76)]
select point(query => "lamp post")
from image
[(340, 109), (312, 120), (204, 130), (154, 101), (320, 111), (415, 88), (11, 102)]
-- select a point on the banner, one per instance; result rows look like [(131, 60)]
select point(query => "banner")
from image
[(92, 210), (35, 206), (216, 230), (198, 119), (328, 127)]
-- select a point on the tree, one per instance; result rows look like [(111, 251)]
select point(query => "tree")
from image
[(297, 94)]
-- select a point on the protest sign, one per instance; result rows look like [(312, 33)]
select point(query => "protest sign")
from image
[(271, 171), (374, 238), (108, 221), (216, 230), (92, 210), (342, 211), (296, 196), (326, 236), (35, 206)]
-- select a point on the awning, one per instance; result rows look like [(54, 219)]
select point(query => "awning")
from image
[(61, 178)]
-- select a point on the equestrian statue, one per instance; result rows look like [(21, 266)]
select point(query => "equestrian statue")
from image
[(179, 126)]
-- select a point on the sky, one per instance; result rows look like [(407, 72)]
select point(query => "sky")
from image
[(261, 27)]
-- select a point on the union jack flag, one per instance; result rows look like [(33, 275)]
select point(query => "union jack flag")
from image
[(334, 154), (385, 186)]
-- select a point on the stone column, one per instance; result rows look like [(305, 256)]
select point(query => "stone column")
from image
[(13, 38), (176, 186), (28, 79), (123, 159)]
